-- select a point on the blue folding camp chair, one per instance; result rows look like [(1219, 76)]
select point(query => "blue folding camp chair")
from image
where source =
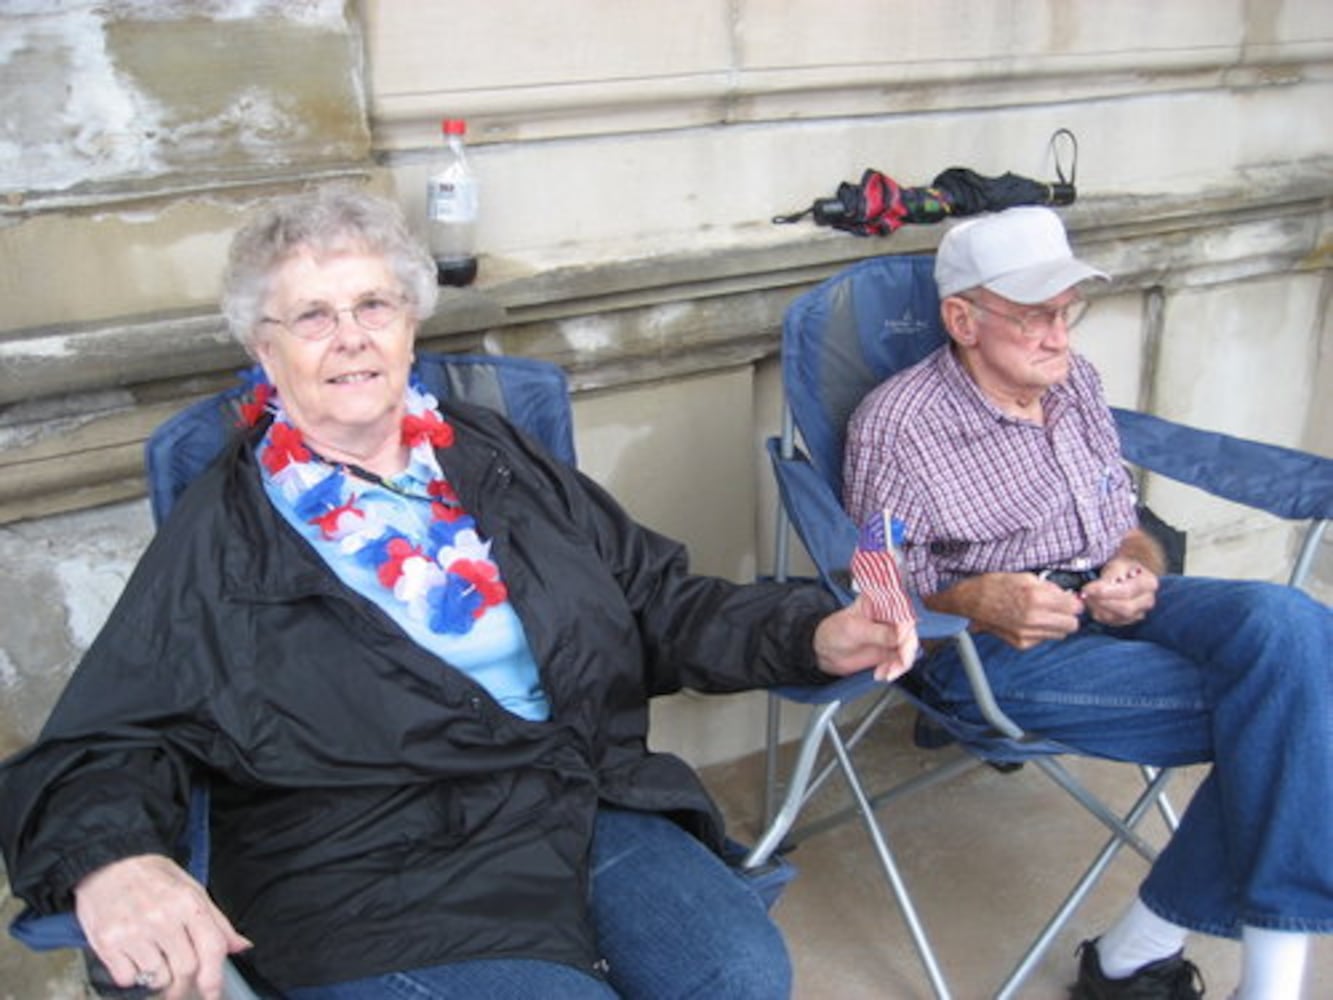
[(841, 339), (533, 395)]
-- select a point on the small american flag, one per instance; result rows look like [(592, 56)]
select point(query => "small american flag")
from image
[(876, 574)]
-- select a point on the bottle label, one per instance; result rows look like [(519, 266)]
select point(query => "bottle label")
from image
[(452, 200)]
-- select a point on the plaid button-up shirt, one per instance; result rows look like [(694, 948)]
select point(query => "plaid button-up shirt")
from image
[(982, 492)]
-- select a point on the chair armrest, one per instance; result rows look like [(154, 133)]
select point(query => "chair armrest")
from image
[(47, 933), (1293, 484), (929, 624), (934, 625)]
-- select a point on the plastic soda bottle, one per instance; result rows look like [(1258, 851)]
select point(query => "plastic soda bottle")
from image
[(451, 209)]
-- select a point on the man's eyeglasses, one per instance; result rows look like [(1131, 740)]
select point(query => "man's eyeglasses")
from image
[(319, 319), (1035, 323)]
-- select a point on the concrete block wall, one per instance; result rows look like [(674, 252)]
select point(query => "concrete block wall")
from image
[(631, 156)]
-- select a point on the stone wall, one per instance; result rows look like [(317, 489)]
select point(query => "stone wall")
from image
[(630, 163)]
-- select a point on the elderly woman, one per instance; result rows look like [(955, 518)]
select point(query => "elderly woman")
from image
[(413, 656)]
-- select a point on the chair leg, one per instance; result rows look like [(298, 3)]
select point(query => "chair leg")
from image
[(1150, 795), (1164, 805), (1314, 534), (886, 860), (820, 722), (822, 725), (1116, 824), (810, 786), (935, 776), (772, 740), (234, 986), (804, 783)]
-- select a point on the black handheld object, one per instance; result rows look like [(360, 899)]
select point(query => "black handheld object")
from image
[(878, 205)]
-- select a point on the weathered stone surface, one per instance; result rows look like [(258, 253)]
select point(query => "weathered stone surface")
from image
[(62, 575), (105, 94)]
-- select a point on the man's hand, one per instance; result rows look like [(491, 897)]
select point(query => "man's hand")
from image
[(849, 641), (153, 925), (1019, 608), (1125, 591)]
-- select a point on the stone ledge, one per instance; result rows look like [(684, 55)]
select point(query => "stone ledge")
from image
[(139, 192), (549, 285), (81, 401)]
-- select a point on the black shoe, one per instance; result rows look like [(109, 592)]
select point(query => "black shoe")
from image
[(928, 734), (1174, 978)]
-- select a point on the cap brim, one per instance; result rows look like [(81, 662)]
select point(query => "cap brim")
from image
[(1043, 281)]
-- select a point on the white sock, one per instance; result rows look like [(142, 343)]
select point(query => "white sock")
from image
[(1272, 964), (1138, 938)]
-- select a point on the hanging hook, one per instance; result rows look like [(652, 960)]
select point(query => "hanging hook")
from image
[(1062, 191), (1073, 155)]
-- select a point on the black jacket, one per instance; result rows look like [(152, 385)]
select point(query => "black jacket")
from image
[(374, 808)]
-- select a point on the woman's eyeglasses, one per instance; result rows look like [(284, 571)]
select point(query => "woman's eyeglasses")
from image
[(1035, 323), (319, 319)]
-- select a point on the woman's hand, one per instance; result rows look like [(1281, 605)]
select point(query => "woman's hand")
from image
[(849, 641), (153, 925)]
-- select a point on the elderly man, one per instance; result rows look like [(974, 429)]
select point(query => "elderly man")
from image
[(1000, 456)]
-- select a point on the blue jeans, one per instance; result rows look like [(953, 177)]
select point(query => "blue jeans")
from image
[(672, 921), (1237, 673)]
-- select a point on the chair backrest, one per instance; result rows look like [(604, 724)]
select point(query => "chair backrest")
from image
[(840, 340), (532, 394), (845, 336), (878, 316)]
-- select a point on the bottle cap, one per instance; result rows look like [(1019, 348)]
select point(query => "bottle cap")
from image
[(454, 126)]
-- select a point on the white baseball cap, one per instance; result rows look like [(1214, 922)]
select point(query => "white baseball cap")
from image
[(1021, 254)]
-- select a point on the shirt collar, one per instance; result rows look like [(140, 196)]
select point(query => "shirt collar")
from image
[(978, 416), (422, 468)]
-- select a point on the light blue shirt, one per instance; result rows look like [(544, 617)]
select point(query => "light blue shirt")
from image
[(494, 653)]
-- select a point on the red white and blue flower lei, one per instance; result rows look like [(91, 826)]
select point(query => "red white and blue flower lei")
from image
[(443, 575)]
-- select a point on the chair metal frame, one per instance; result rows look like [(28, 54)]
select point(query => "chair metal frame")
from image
[(822, 730), (809, 503)]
